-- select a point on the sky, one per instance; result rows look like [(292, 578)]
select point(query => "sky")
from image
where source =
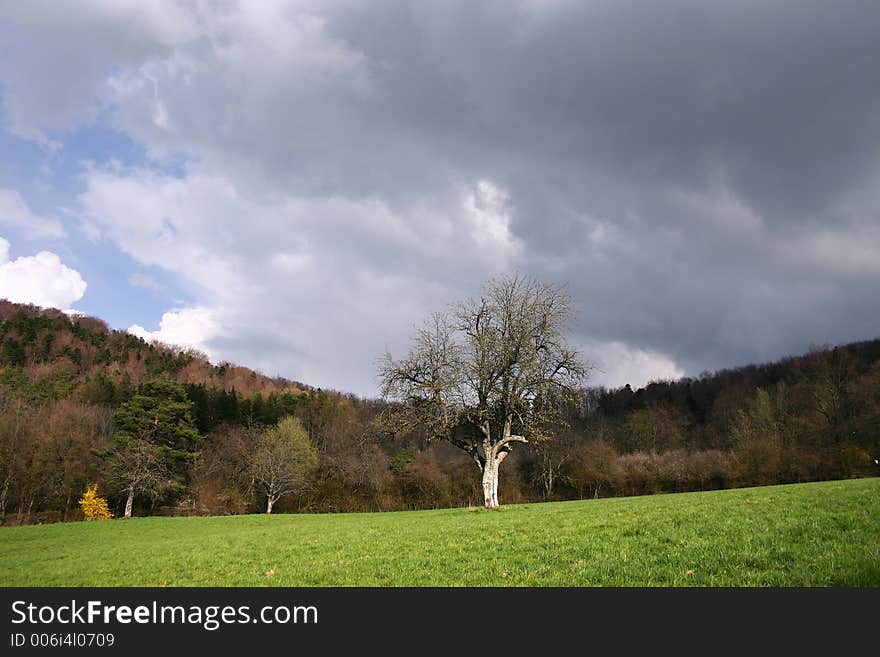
[(295, 186)]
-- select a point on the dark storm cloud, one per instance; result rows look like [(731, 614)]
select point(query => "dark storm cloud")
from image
[(775, 93), (711, 138)]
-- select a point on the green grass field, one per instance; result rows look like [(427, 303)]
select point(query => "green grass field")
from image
[(817, 534)]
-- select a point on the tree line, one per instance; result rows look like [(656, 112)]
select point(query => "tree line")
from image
[(161, 431)]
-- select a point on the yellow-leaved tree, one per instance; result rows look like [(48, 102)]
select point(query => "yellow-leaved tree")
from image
[(94, 507)]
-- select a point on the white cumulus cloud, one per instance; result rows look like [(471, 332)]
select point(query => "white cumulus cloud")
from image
[(184, 327), (283, 289), (618, 364), (41, 279)]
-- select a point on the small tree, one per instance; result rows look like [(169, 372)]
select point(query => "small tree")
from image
[(138, 467), (489, 373), (551, 458), (282, 460), (94, 507)]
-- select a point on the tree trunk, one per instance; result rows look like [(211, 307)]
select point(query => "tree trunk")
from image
[(489, 479), (548, 480), (490, 482), (269, 503), (4, 493), (129, 502)]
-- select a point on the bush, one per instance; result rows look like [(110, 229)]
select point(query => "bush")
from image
[(94, 507)]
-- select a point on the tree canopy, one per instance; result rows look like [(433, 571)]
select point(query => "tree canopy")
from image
[(488, 372), (282, 460)]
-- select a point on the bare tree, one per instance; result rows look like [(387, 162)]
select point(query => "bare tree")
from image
[(138, 467), (488, 373), (831, 372), (222, 473), (551, 459), (282, 460)]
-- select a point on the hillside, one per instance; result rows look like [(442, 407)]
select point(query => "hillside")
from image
[(822, 534), (71, 389), (57, 353)]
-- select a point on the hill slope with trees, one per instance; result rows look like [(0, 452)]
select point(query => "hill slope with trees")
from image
[(81, 404)]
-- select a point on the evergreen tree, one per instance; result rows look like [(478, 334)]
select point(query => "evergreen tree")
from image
[(160, 414)]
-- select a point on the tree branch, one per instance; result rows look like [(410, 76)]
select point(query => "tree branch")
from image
[(512, 439)]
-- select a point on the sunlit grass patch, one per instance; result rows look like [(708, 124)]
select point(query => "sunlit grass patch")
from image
[(817, 534)]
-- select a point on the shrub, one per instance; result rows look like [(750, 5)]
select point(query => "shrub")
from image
[(94, 507)]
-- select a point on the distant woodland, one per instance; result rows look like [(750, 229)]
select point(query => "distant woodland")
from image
[(163, 431)]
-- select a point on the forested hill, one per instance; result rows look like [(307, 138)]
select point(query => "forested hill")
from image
[(46, 354), (72, 392), (839, 383)]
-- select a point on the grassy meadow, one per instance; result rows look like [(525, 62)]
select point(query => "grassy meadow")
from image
[(816, 534)]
